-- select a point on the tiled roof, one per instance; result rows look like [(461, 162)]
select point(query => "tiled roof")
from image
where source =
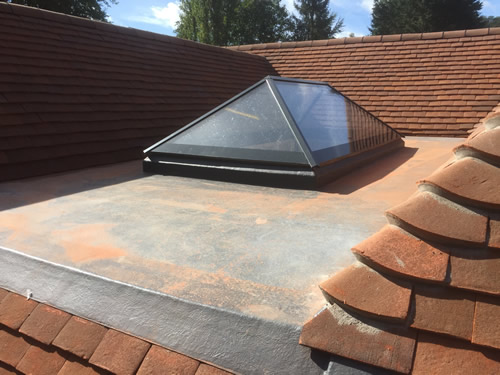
[(76, 93), (38, 339), (421, 84), (424, 296)]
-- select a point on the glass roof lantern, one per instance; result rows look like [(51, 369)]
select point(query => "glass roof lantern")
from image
[(279, 132)]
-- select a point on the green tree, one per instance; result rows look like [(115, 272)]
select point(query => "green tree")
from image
[(227, 22), (315, 20), (262, 21), (491, 21), (93, 9), (207, 21), (417, 16)]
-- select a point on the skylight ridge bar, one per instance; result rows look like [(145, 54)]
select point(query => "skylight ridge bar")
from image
[(291, 121)]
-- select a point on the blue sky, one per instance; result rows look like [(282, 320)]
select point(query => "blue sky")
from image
[(160, 15)]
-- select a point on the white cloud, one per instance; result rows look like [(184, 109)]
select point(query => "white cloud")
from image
[(162, 16), (367, 4), (289, 6), (168, 15)]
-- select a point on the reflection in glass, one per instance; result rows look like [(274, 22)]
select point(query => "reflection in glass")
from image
[(252, 127), (331, 125), (254, 122)]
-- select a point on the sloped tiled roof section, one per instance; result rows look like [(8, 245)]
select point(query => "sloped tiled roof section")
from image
[(76, 93), (424, 295), (438, 84), (38, 339)]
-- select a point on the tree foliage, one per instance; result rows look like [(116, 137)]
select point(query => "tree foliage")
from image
[(262, 21), (418, 16), (227, 22), (491, 21), (315, 20), (93, 9), (207, 21)]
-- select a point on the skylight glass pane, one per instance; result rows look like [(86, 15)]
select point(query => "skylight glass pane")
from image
[(331, 125), (251, 127)]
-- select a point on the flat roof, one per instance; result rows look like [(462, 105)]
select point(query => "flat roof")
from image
[(255, 250)]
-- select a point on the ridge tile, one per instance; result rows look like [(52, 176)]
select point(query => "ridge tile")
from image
[(485, 143), (119, 353), (434, 218), (368, 292), (337, 332), (444, 310), (441, 355), (470, 180), (396, 251), (487, 322)]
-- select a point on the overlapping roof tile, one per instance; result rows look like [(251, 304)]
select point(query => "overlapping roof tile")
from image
[(421, 84), (442, 245), (76, 93), (38, 339)]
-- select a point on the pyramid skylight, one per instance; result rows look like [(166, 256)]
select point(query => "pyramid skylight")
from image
[(279, 132)]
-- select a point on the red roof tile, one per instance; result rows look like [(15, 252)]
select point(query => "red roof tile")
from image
[(40, 361), (469, 180), (12, 348), (485, 143), (77, 93), (119, 353), (487, 322), (494, 240), (444, 310), (435, 218), (336, 331), (444, 356), (429, 84), (158, 360), (476, 270), (28, 350), (76, 368), (14, 309), (392, 250), (367, 291), (80, 337), (3, 294), (44, 323), (205, 369), (455, 306)]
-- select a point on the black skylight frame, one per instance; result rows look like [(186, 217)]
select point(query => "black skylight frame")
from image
[(261, 167)]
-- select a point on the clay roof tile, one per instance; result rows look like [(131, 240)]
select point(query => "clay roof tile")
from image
[(32, 349), (368, 292), (336, 331), (455, 304), (470, 181), (435, 218), (395, 251)]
